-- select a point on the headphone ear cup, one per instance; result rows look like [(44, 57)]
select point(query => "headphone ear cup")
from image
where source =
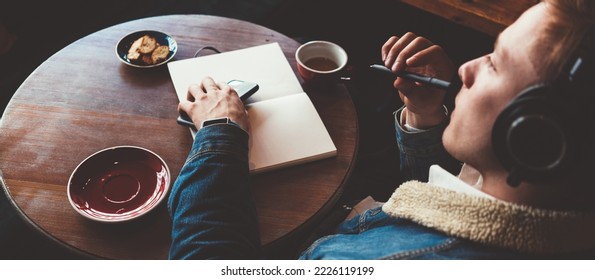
[(529, 137)]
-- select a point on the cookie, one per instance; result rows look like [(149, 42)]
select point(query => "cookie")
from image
[(134, 52), (160, 54), (148, 44)]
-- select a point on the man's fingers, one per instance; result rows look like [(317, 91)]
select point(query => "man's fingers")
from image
[(209, 85), (393, 59), (426, 56), (194, 91), (184, 106), (416, 45), (387, 46)]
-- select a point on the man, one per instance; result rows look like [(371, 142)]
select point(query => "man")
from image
[(493, 209)]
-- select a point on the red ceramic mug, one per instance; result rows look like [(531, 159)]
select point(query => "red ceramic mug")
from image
[(320, 62)]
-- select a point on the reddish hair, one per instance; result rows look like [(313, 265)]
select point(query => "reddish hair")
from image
[(569, 22)]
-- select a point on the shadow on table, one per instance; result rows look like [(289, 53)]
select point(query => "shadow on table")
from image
[(20, 242)]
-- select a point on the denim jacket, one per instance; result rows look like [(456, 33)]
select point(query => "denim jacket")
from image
[(214, 217), (420, 150), (374, 234), (421, 221), (211, 207)]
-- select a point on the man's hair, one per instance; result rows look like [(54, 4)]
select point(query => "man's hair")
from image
[(569, 23)]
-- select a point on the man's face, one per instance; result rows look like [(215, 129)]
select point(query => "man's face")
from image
[(489, 84)]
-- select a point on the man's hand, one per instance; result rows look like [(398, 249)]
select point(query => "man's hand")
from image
[(209, 100), (417, 54)]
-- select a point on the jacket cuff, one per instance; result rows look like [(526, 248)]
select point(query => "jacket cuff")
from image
[(419, 143), (225, 138)]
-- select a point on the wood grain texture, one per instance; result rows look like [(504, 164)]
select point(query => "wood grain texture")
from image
[(83, 99), (487, 16)]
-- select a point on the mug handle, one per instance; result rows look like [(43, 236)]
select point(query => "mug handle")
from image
[(347, 73)]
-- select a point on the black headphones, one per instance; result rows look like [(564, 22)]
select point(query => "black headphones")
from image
[(537, 136)]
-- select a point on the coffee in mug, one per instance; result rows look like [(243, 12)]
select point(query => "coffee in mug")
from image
[(320, 62)]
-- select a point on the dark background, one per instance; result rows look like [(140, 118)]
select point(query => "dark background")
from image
[(361, 27)]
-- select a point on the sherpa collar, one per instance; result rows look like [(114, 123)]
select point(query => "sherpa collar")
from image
[(493, 222)]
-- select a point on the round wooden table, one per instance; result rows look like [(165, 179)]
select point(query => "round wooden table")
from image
[(83, 99)]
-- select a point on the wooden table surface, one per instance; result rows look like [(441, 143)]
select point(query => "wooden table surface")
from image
[(83, 99)]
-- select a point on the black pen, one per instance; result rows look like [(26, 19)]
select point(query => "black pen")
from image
[(430, 81)]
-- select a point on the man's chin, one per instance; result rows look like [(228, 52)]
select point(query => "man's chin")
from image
[(451, 145)]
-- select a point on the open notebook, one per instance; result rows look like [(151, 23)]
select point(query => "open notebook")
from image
[(285, 127)]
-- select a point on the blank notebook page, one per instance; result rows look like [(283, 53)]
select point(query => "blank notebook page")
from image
[(292, 135)]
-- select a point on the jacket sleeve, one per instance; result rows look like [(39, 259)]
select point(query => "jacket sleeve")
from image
[(422, 149), (210, 204)]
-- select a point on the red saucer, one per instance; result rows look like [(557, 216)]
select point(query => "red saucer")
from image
[(118, 184)]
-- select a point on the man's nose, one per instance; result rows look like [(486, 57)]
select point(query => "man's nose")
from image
[(467, 73)]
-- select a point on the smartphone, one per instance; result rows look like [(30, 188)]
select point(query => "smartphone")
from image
[(243, 88)]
